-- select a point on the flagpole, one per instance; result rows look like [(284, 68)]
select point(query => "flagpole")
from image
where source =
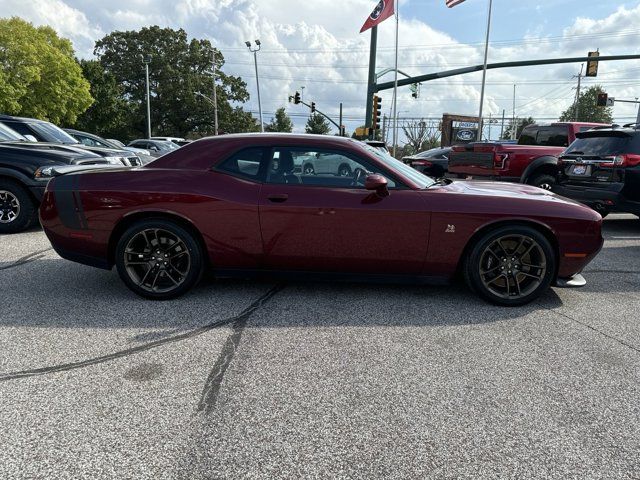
[(395, 85), (484, 73)]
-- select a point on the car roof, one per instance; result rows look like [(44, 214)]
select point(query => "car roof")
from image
[(22, 119)]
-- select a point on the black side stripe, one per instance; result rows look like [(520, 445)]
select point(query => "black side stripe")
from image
[(69, 203)]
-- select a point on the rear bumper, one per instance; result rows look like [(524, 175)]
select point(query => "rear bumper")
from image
[(607, 195)]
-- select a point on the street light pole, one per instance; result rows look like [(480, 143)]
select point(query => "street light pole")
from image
[(255, 59), (147, 60)]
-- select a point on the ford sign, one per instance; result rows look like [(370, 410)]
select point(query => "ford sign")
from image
[(465, 135)]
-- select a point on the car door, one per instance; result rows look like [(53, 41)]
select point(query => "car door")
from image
[(330, 222)]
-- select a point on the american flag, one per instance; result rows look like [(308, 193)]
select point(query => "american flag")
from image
[(453, 3)]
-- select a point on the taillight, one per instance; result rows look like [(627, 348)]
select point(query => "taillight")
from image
[(499, 159), (627, 160)]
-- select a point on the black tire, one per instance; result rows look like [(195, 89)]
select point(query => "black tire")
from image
[(522, 283), (602, 210), (344, 170), (179, 277), (544, 181), (16, 200)]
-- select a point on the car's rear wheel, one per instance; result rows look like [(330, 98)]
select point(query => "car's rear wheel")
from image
[(18, 211), (159, 259), (544, 181), (510, 265)]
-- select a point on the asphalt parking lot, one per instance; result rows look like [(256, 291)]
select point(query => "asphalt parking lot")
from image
[(247, 379)]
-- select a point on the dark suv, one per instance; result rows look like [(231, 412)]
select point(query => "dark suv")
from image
[(41, 131), (601, 168)]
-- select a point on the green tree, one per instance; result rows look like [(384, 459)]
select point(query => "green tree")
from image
[(109, 115), (317, 124), (178, 68), (39, 76), (520, 124), (587, 109), (280, 123)]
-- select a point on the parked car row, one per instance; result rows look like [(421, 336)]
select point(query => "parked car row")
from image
[(30, 148), (596, 164)]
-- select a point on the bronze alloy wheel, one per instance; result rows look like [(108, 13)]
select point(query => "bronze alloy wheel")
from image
[(9, 207), (513, 266), (157, 260)]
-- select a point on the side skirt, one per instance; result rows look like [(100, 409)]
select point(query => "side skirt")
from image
[(332, 277)]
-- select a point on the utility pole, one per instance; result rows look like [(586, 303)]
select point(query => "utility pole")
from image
[(489, 135), (147, 61), (502, 129), (215, 94), (384, 128), (371, 83), (514, 128), (576, 112), (484, 71), (340, 122)]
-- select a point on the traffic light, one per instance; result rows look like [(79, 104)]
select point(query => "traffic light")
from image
[(602, 99), (592, 67), (296, 98), (377, 112), (313, 107)]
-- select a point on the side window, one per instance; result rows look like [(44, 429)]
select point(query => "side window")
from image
[(86, 141), (21, 128), (318, 167), (553, 137), (245, 163), (528, 136)]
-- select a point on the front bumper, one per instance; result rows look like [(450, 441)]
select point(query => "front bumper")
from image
[(576, 281)]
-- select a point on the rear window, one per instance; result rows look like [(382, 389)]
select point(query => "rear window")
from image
[(245, 163), (599, 146), (553, 136)]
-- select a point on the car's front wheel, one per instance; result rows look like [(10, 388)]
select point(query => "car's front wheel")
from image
[(543, 181), (18, 211), (159, 259), (511, 265)]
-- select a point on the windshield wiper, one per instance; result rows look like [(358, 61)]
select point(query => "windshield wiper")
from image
[(441, 181)]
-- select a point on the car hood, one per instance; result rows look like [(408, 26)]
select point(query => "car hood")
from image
[(104, 152), (64, 153), (508, 191)]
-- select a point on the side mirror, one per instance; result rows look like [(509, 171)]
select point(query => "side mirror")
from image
[(377, 183)]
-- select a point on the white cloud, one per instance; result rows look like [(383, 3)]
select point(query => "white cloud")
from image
[(316, 44)]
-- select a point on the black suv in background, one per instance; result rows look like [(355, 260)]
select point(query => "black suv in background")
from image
[(23, 176), (41, 131), (601, 168)]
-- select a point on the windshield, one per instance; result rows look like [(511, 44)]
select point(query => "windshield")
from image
[(598, 146), (396, 165), (166, 146), (9, 135), (50, 133)]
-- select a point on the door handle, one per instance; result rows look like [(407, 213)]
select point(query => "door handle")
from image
[(278, 198)]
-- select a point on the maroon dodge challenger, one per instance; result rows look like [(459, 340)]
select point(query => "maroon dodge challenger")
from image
[(314, 207)]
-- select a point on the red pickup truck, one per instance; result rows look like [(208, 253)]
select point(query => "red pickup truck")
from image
[(533, 160)]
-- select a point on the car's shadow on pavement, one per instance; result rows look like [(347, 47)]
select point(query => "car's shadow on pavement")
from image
[(57, 293)]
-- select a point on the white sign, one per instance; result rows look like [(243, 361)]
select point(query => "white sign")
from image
[(457, 124)]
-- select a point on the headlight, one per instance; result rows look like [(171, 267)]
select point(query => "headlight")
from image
[(117, 160), (43, 173)]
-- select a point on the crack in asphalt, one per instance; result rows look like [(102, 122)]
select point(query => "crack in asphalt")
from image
[(38, 254), (241, 317), (590, 327), (211, 389)]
